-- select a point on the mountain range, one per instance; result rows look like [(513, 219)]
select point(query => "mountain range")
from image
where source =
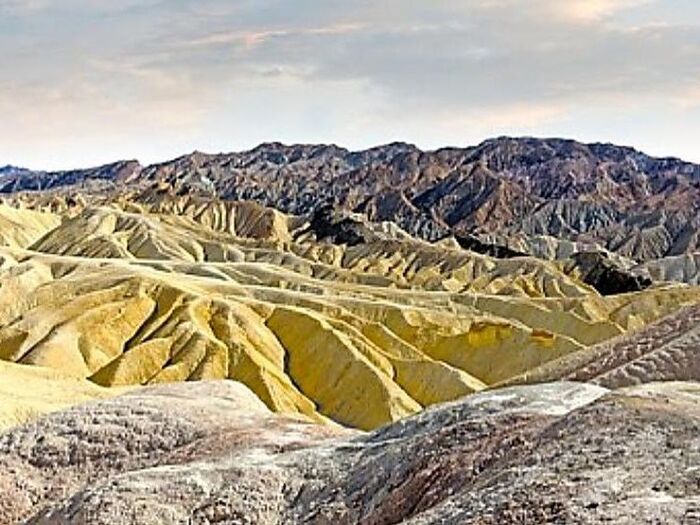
[(509, 190)]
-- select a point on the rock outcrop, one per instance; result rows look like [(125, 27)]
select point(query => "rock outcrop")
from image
[(208, 452), (474, 244), (337, 226), (605, 275)]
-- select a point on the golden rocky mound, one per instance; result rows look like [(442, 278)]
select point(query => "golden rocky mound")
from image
[(362, 325), (20, 228)]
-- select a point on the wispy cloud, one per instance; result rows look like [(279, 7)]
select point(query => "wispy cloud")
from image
[(253, 38), (567, 10)]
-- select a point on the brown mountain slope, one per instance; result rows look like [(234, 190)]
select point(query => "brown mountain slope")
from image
[(638, 206)]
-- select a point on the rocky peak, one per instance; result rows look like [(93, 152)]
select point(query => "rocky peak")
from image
[(613, 196), (10, 170)]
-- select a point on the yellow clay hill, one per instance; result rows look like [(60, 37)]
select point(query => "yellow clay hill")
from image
[(141, 292)]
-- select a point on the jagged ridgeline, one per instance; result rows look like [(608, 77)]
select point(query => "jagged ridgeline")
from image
[(516, 190), (355, 287)]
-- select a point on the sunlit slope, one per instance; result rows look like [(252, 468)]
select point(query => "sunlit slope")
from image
[(244, 232), (136, 293), (27, 392), (359, 357), (666, 350), (21, 227)]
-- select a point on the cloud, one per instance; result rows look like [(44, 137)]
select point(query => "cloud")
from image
[(34, 6), (495, 54), (144, 72), (576, 11), (593, 10), (253, 38)]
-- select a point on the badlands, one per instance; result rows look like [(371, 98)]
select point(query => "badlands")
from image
[(302, 334)]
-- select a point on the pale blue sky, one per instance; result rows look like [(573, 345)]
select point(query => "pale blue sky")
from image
[(84, 82)]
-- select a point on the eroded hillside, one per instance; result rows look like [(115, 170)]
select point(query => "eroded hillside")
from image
[(328, 314), (555, 453), (517, 190)]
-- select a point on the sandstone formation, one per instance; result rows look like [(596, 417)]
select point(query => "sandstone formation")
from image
[(556, 453), (167, 288), (19, 228), (663, 351)]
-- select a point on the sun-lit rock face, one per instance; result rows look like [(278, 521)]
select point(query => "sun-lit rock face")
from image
[(27, 392), (211, 452), (19, 228), (165, 288), (666, 350)]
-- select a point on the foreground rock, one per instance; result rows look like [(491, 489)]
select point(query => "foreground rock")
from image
[(211, 453), (173, 425)]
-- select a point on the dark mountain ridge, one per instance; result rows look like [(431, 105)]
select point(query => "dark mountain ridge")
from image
[(10, 170), (639, 206)]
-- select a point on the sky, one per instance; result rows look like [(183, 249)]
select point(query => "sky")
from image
[(85, 82)]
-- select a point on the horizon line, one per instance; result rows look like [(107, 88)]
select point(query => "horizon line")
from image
[(12, 165)]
